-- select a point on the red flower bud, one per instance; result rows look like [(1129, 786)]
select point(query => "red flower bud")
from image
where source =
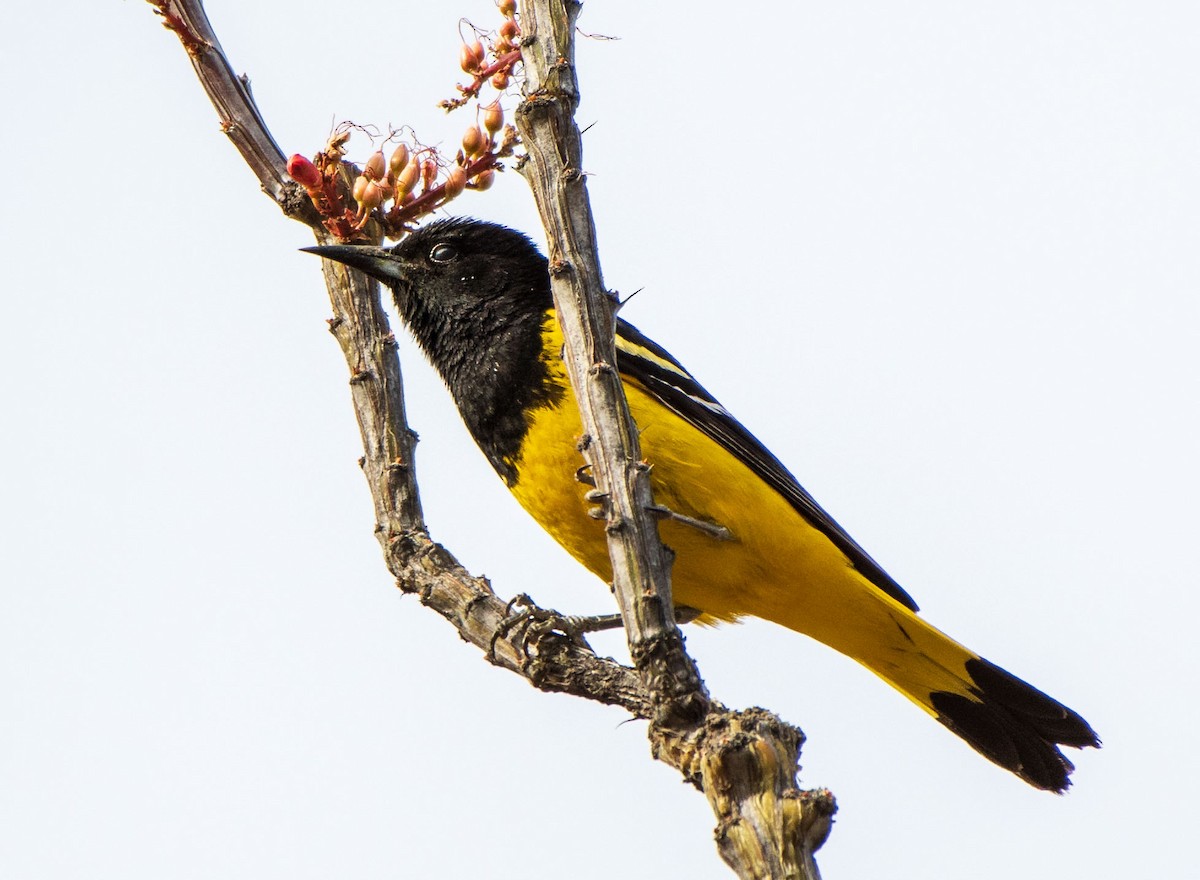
[(304, 172)]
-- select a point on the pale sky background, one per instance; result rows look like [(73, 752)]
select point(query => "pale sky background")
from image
[(940, 256)]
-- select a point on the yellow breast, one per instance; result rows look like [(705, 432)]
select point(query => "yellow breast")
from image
[(773, 561)]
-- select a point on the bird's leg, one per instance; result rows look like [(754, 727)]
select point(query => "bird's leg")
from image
[(603, 622)]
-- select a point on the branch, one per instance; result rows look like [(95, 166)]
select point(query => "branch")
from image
[(641, 570), (746, 762), (230, 95)]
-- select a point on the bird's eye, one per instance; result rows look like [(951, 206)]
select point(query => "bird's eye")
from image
[(443, 253)]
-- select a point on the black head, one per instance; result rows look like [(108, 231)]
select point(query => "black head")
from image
[(475, 296), (451, 268)]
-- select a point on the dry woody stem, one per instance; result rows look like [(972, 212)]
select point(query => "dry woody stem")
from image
[(745, 762)]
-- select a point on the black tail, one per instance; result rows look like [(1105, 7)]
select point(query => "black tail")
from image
[(1015, 725)]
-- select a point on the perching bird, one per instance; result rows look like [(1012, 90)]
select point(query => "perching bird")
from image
[(477, 298)]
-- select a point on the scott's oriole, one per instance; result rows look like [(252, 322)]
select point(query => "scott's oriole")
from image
[(477, 298)]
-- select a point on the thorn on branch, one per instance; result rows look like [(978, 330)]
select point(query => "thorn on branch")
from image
[(173, 22)]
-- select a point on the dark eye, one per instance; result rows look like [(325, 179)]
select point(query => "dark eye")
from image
[(443, 253)]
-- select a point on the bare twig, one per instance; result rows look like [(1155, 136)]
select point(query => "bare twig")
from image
[(230, 95), (746, 762), (641, 570)]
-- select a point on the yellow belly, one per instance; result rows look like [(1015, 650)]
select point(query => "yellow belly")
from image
[(775, 565)]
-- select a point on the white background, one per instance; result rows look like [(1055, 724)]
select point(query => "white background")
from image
[(940, 257)]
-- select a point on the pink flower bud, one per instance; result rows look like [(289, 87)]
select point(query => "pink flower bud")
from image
[(407, 179), (304, 172), (493, 114), (470, 57), (485, 179), (509, 30), (456, 182), (372, 196), (500, 80), (397, 162), (473, 142), (376, 166)]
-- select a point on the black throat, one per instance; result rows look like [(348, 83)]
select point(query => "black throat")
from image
[(489, 353)]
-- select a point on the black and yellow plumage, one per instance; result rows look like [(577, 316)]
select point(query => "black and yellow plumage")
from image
[(477, 298)]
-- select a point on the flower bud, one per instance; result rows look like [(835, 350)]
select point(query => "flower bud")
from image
[(493, 114), (508, 8), (376, 166), (372, 196), (509, 30), (500, 80), (397, 162), (470, 57), (456, 182), (304, 172), (360, 187), (406, 180), (473, 142), (485, 179), (428, 173)]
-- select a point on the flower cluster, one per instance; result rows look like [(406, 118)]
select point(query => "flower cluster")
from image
[(415, 179), (473, 58)]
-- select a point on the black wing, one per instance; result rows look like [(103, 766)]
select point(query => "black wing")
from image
[(664, 377)]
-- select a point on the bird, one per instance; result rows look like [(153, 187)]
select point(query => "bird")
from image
[(747, 539)]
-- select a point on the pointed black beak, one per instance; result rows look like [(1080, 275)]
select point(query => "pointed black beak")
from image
[(377, 262)]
